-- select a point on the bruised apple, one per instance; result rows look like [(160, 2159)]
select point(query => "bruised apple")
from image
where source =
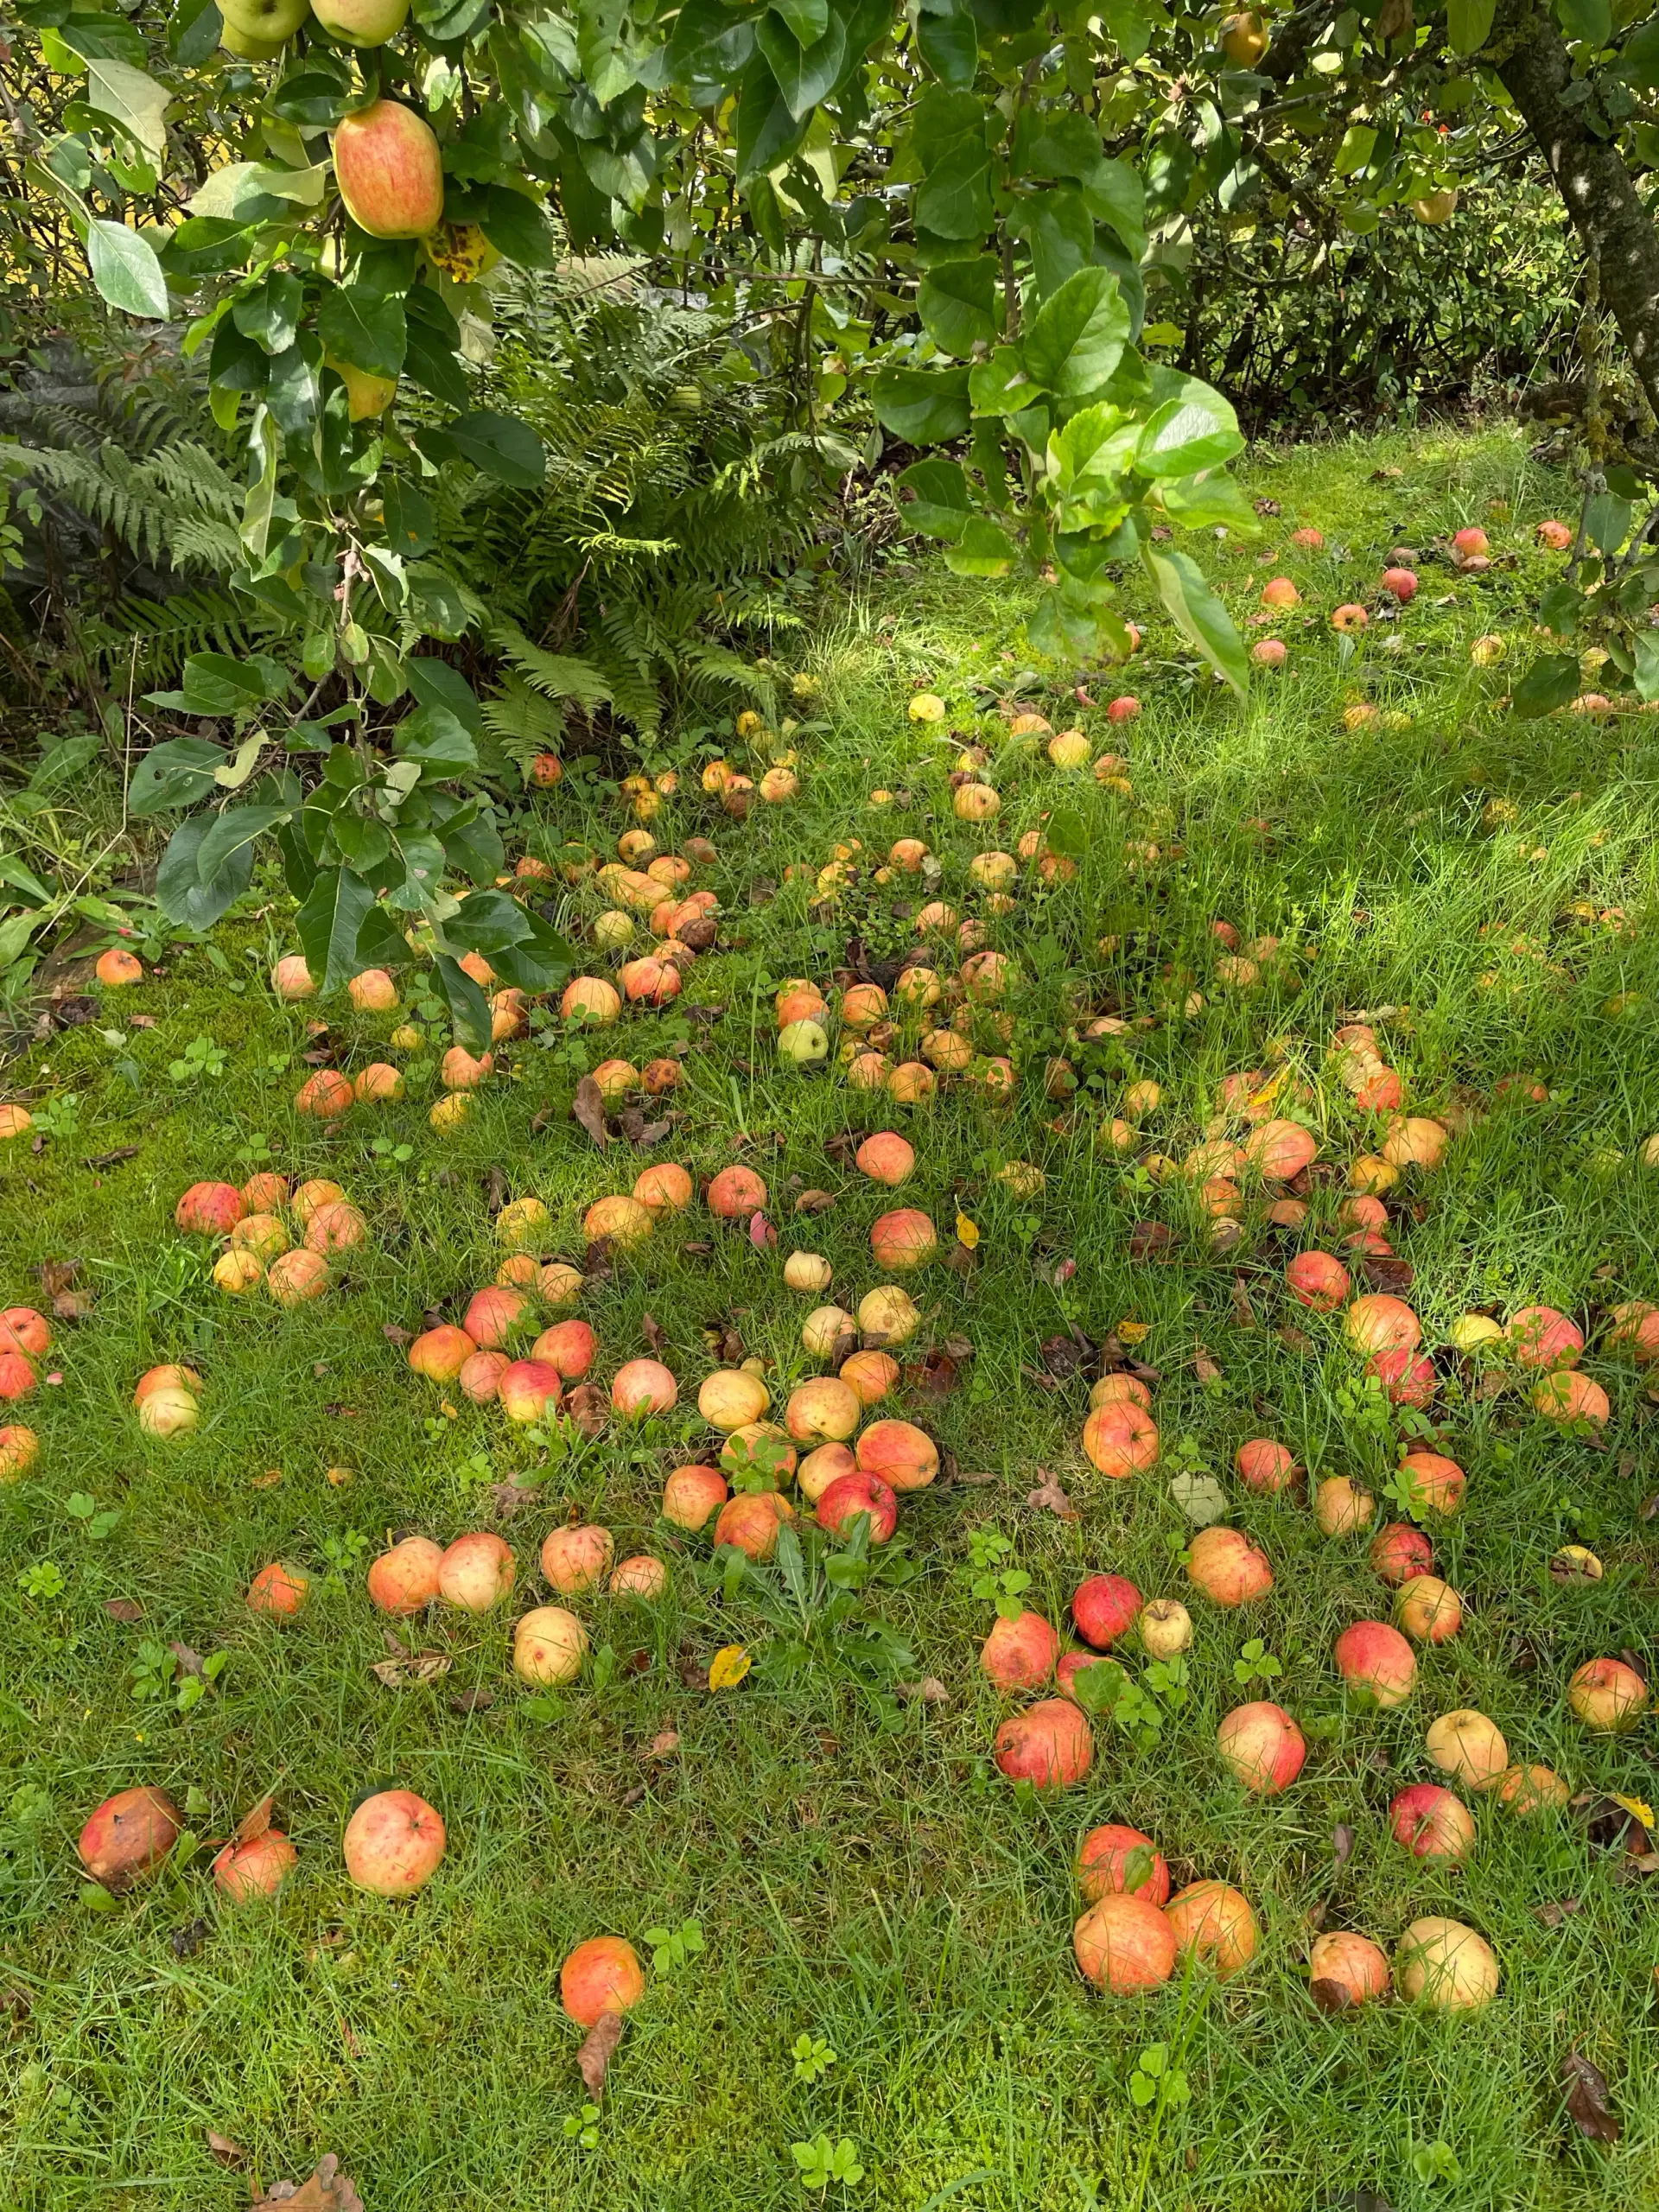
[(1123, 1944), (257, 1868), (405, 1578), (574, 1560), (393, 1843), (128, 1836), (1353, 1969), (691, 1494), (1431, 1823), (1050, 1744), (549, 1645), (1019, 1654), (476, 1571), (899, 1452), (1227, 1567)]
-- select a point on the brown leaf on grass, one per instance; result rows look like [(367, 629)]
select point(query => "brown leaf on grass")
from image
[(189, 1661), (653, 1331), (327, 2190), (226, 2152), (72, 1305), (1049, 1497), (319, 1058), (1386, 1273), (1343, 1840), (123, 1609), (144, 1020), (586, 1406), (724, 1341), (957, 1348), (972, 1478), (1296, 1340), (256, 1820), (599, 2048), (1243, 1312), (508, 1498), (395, 1335), (121, 1153), (587, 1107), (495, 1190), (1331, 1996), (1064, 1356), (412, 1672), (1151, 1240), (928, 1691), (638, 1130), (539, 1120), (1206, 1366), (933, 1377), (814, 1202), (1555, 1913), (1649, 1509), (472, 1702), (664, 1743), (1588, 2105), (57, 1274)]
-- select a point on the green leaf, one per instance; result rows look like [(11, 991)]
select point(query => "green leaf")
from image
[(802, 74), (229, 832), (1469, 23), (1115, 196), (469, 1010), (1203, 502), (1002, 385), (765, 133), (808, 20), (366, 332), (983, 550), (1077, 338), (328, 921), (435, 684), (472, 847), (14, 933), (380, 943), (175, 774), (488, 922), (949, 46), (942, 504), (1589, 19), (133, 98), (957, 303), (1647, 664), (1606, 521), (1061, 234), (1199, 615), (193, 31), (411, 525), (1551, 682), (433, 736), (182, 894), (126, 271), (952, 158), (516, 227), (270, 313), (922, 406), (1193, 429), (502, 446)]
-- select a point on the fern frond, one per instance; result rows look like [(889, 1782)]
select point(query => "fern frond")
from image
[(555, 676)]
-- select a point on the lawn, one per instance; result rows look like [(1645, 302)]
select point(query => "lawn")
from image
[(862, 1876)]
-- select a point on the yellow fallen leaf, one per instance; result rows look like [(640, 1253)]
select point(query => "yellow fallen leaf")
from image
[(967, 1231), (1131, 1333), (1637, 1809), (927, 707), (729, 1667)]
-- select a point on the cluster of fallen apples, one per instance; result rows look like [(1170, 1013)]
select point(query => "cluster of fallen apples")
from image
[(520, 1347)]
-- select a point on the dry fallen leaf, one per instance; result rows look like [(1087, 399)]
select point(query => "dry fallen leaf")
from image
[(1243, 1312), (123, 1609), (255, 1821), (598, 2048), (1296, 1340), (327, 2190), (394, 1335), (587, 1405), (814, 1202), (1205, 1365), (1343, 1840), (189, 1661), (226, 2152), (411, 1672), (1331, 1996), (653, 1331), (1587, 2099), (728, 1666), (1133, 1332), (587, 1107), (928, 1691), (472, 1702), (1049, 1497), (666, 1741), (1555, 1913)]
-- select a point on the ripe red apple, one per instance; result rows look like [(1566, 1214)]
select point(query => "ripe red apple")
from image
[(1446, 1965), (1429, 1610), (1124, 1944), (824, 1410), (1019, 1654), (898, 1451), (1375, 1660), (1317, 1280), (209, 1209), (643, 1386), (1351, 1968), (601, 1975), (903, 1239), (850, 1495), (1437, 1483), (1103, 1866), (1469, 541), (1431, 1823), (1121, 1438), (1266, 1466), (750, 1521), (1572, 1399), (480, 1376), (255, 1869), (1215, 1923), (477, 1572), (440, 1354), (1227, 1567), (568, 1347), (735, 1194), (1378, 1323), (1124, 709), (1104, 1607), (17, 1380), (128, 1836), (1540, 1337), (574, 1560), (1607, 1695), (389, 171), (495, 1315), (405, 1578), (884, 1158), (393, 1843), (279, 1590), (1526, 1790), (691, 1494), (1261, 1746), (1400, 1551), (1403, 582), (643, 1576), (1050, 1743), (527, 1390)]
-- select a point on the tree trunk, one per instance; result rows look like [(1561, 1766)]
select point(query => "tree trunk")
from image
[(1616, 230)]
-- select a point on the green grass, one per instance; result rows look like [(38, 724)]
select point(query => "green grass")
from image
[(860, 1869)]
